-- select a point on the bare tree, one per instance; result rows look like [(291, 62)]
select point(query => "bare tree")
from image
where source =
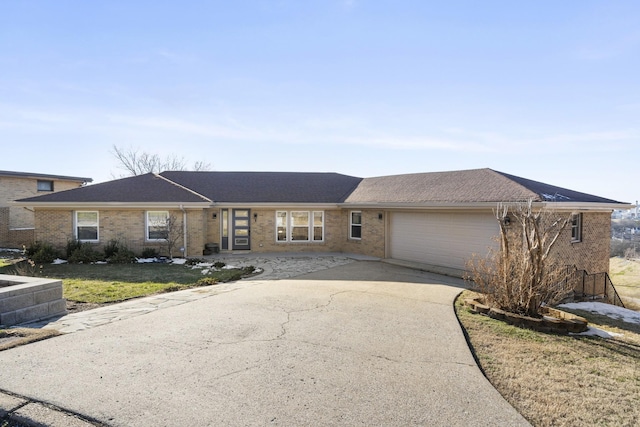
[(135, 162), (174, 233), (521, 275)]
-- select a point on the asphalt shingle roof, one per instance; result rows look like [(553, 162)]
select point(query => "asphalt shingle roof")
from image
[(467, 186), (268, 187), (147, 188)]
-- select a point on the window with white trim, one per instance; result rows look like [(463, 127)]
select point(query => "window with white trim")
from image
[(299, 226), (281, 226), (355, 225), (576, 228), (157, 225), (86, 226)]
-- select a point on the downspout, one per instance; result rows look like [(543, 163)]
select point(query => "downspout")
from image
[(184, 230)]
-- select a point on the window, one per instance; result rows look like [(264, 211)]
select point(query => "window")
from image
[(300, 226), (157, 225), (576, 228), (281, 226), (86, 226), (318, 226), (45, 185), (355, 225)]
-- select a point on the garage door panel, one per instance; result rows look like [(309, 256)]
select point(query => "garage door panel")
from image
[(444, 239)]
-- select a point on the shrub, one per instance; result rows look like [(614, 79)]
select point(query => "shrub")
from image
[(85, 254), (248, 269), (41, 253), (194, 261), (122, 256), (117, 252), (72, 245), (111, 248), (219, 264), (149, 253), (207, 281), (520, 277), (26, 268)]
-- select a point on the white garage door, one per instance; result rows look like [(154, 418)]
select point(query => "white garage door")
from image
[(442, 239)]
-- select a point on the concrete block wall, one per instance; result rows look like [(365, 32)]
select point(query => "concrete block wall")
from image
[(26, 299)]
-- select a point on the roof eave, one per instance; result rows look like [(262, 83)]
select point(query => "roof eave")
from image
[(112, 205)]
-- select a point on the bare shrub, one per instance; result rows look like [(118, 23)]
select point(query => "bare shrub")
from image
[(520, 276)]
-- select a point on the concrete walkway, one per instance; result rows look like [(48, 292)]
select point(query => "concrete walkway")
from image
[(364, 343)]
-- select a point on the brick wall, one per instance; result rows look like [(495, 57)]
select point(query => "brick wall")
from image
[(4, 227), (15, 188), (128, 226), (593, 252), (373, 233), (336, 232)]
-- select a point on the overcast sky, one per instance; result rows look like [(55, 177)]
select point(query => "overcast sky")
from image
[(546, 90)]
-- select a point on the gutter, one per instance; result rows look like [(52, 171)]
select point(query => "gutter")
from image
[(184, 230)]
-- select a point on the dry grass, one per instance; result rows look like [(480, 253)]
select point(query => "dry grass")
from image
[(625, 275), (10, 338), (556, 380)]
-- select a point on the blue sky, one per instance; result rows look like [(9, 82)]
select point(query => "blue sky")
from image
[(546, 90)]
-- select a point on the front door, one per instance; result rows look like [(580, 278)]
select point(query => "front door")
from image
[(241, 230)]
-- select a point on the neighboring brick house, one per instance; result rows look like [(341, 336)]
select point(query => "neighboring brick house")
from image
[(438, 219), (16, 222)]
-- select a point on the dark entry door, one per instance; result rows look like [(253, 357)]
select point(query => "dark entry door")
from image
[(241, 229)]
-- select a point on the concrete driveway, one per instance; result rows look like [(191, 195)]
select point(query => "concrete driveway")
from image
[(365, 343)]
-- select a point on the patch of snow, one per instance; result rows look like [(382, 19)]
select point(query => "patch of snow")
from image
[(179, 261), (146, 260), (100, 262), (59, 261), (229, 267), (596, 332), (609, 310), (10, 250)]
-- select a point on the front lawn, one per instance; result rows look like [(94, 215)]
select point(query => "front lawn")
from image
[(561, 380), (108, 283)]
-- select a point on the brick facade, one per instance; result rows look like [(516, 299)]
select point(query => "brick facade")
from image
[(128, 225), (336, 232), (17, 223), (592, 253), (125, 225)]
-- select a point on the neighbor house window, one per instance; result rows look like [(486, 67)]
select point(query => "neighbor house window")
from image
[(576, 228), (86, 226), (299, 226), (355, 225), (157, 225), (45, 185)]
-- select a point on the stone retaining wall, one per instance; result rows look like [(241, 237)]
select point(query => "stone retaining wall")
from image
[(27, 299)]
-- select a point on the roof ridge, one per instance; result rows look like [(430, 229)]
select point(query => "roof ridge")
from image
[(157, 175), (507, 176)]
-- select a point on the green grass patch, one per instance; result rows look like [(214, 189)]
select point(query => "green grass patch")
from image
[(107, 283)]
